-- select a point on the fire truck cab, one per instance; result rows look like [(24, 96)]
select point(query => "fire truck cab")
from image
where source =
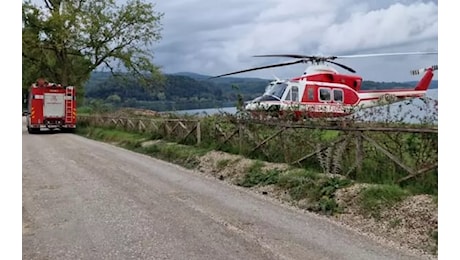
[(51, 106)]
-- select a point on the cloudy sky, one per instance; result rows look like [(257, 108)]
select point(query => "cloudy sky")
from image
[(216, 37)]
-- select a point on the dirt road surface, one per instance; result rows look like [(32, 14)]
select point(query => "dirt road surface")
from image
[(84, 199)]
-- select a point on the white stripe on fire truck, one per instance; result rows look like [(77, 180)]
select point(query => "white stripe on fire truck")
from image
[(68, 97), (38, 96)]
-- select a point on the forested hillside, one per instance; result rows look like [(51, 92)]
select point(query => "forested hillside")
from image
[(177, 92)]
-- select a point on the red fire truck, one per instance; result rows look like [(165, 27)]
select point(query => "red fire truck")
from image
[(51, 106)]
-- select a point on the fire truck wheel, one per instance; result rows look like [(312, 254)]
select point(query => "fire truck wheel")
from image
[(68, 130), (33, 130)]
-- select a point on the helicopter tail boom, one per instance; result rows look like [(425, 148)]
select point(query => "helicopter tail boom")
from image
[(424, 83), (379, 97)]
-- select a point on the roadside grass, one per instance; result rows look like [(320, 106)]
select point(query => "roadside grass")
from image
[(300, 184), (256, 176), (222, 164), (376, 198), (434, 237), (318, 189), (118, 137), (184, 155)]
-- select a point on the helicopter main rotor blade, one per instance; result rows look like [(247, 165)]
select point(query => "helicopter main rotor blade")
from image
[(324, 58), (385, 54), (342, 66), (259, 68), (295, 56)]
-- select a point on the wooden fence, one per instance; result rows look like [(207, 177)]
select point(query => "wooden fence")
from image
[(283, 137), (177, 128)]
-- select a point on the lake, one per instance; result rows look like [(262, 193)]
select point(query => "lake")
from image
[(413, 111)]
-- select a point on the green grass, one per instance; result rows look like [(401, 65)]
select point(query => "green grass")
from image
[(221, 164), (184, 155), (256, 176), (376, 198), (296, 177), (84, 110), (434, 237), (187, 156), (329, 135), (119, 137), (318, 189), (426, 184), (298, 182)]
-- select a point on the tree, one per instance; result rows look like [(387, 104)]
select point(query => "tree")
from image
[(114, 98), (64, 41)]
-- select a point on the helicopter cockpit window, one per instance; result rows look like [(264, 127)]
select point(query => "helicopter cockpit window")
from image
[(288, 96), (338, 95), (278, 90), (324, 94)]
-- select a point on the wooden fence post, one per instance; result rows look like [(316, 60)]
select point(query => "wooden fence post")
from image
[(359, 152), (240, 137), (198, 133)]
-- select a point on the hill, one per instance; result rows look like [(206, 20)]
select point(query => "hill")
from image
[(366, 84)]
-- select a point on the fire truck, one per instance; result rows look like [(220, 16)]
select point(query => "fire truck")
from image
[(51, 106)]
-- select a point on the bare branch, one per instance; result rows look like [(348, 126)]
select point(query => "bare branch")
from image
[(111, 52), (49, 5), (80, 4), (109, 66)]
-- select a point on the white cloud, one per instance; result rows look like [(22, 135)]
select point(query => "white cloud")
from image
[(383, 27), (212, 37)]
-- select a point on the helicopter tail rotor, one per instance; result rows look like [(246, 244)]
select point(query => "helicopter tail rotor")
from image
[(420, 71)]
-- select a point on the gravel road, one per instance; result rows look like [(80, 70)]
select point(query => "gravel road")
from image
[(84, 199)]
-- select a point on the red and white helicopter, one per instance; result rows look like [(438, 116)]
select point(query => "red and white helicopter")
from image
[(324, 92)]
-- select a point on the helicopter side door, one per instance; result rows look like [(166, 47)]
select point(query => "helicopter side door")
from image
[(332, 99)]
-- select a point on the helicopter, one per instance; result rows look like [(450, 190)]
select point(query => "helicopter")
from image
[(324, 92)]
